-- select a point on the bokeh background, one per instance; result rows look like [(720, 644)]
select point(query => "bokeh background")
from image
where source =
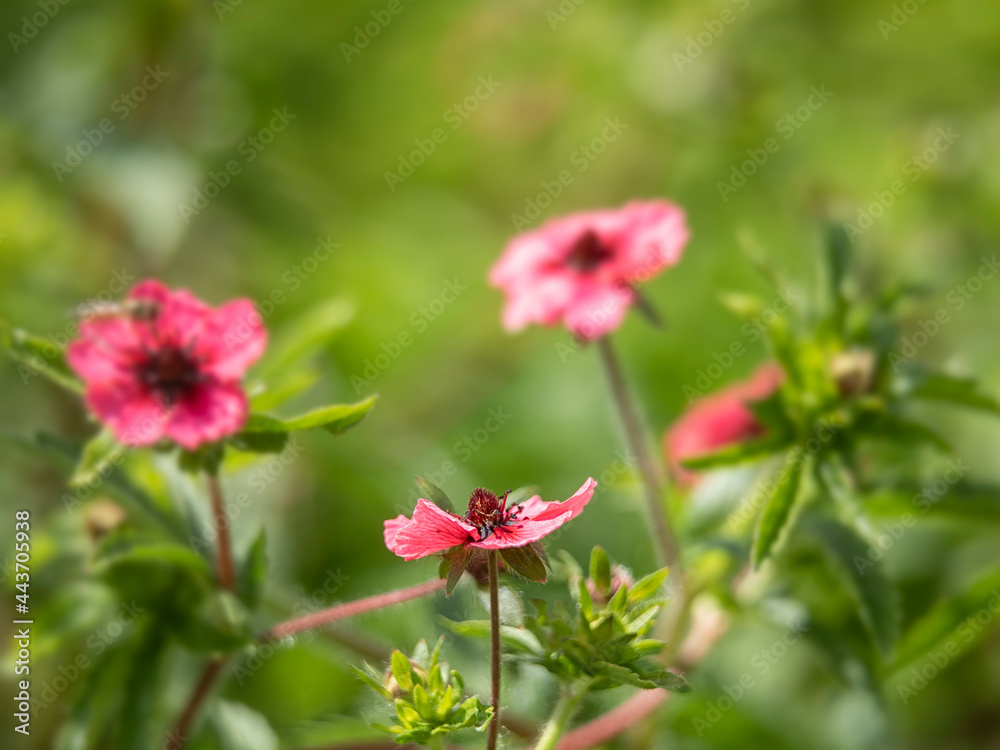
[(358, 104)]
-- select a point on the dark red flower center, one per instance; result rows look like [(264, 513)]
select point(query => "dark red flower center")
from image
[(588, 253), (170, 372), (487, 512)]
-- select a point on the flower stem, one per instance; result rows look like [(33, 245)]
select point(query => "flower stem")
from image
[(179, 736), (493, 563), (350, 609), (557, 723), (221, 522), (635, 435)]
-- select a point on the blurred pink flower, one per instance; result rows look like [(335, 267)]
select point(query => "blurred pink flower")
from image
[(579, 269), (488, 523), (166, 365), (718, 420)]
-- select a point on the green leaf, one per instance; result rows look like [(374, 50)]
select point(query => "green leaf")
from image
[(600, 570), (334, 419), (738, 453), (778, 507), (838, 260), (435, 494), (647, 587), (137, 726), (525, 561), (219, 622), (252, 571), (99, 457), (961, 391), (874, 594), (38, 356), (402, 670), (372, 680)]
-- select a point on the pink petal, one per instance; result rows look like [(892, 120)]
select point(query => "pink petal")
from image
[(181, 319), (150, 290), (131, 413), (598, 310), (97, 360), (212, 411), (233, 339), (392, 527), (431, 530), (537, 510), (521, 532)]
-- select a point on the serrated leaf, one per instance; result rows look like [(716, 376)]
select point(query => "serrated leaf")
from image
[(98, 458), (778, 507), (872, 591), (371, 681)]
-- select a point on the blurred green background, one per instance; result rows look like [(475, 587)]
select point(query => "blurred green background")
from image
[(556, 73)]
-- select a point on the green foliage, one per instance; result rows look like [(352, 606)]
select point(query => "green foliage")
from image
[(264, 433), (427, 696)]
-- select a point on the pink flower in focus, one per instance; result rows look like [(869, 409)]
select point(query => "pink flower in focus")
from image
[(579, 269), (488, 523), (166, 365), (718, 420)]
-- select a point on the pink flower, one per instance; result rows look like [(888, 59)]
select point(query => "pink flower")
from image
[(488, 523), (580, 269), (718, 420), (164, 364)]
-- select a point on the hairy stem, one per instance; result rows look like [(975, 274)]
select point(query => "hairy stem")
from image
[(493, 563), (350, 609), (221, 523), (561, 715), (178, 737), (636, 437)]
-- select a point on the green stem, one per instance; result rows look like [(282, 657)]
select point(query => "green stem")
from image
[(561, 715), (636, 437), (493, 563)]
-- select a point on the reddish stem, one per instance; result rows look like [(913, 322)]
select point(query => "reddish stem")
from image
[(221, 522), (179, 736), (614, 722), (350, 609)]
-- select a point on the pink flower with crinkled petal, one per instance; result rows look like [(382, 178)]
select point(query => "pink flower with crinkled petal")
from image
[(164, 364), (718, 420), (581, 269), (487, 524)]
